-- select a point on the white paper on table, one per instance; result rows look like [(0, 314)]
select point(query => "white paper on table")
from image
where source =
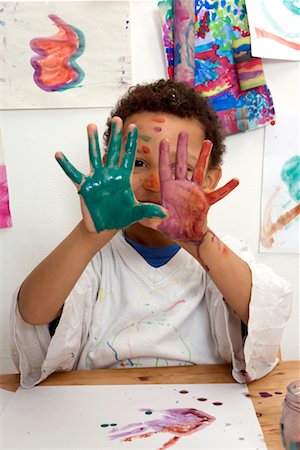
[(105, 61), (74, 417), (282, 142), (5, 397), (274, 29)]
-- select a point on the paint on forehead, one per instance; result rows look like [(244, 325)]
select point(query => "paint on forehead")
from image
[(145, 138), (157, 129), (145, 149), (158, 119)]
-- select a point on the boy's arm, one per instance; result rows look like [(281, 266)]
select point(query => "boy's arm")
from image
[(188, 203), (45, 290), (107, 203), (229, 272)]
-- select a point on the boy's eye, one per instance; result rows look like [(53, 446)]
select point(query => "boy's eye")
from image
[(139, 163)]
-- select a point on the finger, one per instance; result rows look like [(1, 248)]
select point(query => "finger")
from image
[(181, 156), (220, 193), (94, 149), (115, 142), (144, 210), (164, 161), (202, 163), (68, 168), (130, 148)]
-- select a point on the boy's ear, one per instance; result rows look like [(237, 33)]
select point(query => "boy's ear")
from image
[(212, 178)]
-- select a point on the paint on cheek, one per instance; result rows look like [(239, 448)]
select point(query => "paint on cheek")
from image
[(157, 129), (158, 119), (145, 138)]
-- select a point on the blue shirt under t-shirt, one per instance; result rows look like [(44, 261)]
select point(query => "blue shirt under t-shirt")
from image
[(155, 256)]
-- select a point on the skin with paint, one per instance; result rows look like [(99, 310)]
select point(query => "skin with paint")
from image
[(173, 187), (109, 181)]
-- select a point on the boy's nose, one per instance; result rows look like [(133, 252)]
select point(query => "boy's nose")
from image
[(152, 183)]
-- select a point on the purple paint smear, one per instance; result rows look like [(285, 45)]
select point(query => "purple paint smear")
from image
[(179, 422), (5, 217)]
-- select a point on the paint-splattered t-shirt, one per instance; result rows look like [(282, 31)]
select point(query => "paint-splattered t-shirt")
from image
[(123, 312)]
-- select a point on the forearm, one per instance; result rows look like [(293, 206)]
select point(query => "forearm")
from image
[(228, 271), (45, 290)]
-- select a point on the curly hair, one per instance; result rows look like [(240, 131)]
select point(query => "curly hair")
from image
[(172, 97)]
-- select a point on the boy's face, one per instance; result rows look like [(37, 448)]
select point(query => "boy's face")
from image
[(153, 127)]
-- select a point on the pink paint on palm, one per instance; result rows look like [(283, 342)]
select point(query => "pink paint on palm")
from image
[(5, 217), (186, 200), (184, 41)]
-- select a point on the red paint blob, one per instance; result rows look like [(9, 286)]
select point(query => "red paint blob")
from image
[(273, 122), (202, 399), (217, 403), (145, 149), (158, 119), (183, 392)]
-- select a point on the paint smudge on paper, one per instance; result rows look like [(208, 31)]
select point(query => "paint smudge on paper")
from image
[(5, 216), (241, 105), (55, 66), (179, 422), (290, 175), (184, 41)]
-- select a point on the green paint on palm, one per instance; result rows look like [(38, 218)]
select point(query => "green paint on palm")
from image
[(107, 191)]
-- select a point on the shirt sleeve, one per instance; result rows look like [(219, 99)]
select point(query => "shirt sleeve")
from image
[(35, 354), (270, 307)]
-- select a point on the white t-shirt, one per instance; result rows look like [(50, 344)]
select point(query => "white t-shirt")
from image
[(125, 313)]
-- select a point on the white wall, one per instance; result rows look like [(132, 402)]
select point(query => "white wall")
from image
[(44, 203)]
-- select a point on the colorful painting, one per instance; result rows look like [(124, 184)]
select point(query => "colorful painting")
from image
[(280, 209), (64, 54), (153, 417), (225, 70), (275, 28), (5, 216)]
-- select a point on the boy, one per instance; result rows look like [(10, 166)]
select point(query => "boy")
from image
[(142, 280)]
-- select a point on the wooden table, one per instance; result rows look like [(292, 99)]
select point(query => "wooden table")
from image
[(268, 408)]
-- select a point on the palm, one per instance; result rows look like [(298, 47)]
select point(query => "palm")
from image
[(107, 199), (186, 200)]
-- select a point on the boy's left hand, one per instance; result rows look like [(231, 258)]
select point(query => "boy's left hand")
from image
[(187, 201)]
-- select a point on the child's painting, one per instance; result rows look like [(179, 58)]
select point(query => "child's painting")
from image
[(5, 216), (280, 207), (153, 417), (275, 28), (64, 54), (225, 70)]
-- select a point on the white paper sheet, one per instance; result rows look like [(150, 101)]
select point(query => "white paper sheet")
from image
[(274, 28), (280, 195), (5, 397), (105, 63), (149, 416)]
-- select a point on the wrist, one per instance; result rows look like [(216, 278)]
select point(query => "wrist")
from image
[(96, 240)]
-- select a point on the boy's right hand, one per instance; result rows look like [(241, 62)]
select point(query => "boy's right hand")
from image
[(106, 196)]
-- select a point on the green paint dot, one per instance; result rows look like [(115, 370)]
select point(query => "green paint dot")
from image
[(104, 425), (148, 412)]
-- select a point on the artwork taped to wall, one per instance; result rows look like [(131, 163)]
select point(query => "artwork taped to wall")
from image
[(153, 417), (225, 71), (275, 28), (280, 203), (64, 54), (5, 216)]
